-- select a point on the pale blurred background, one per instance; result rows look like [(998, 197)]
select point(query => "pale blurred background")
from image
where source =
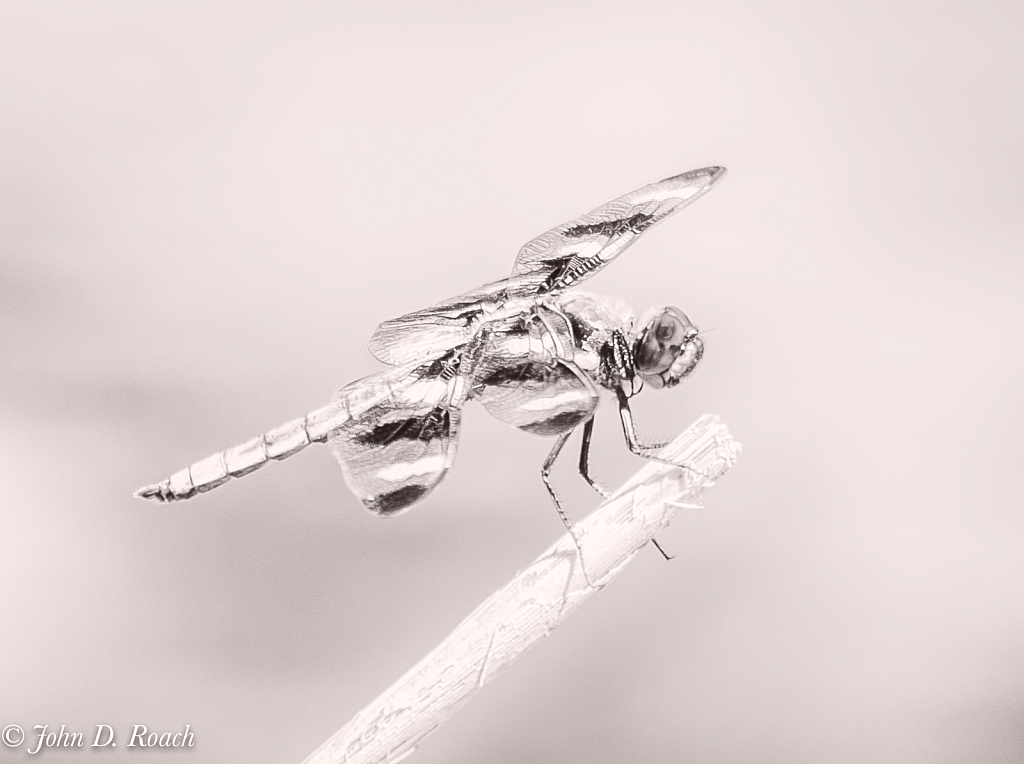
[(207, 207)]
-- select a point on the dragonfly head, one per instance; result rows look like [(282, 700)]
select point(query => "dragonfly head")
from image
[(667, 348)]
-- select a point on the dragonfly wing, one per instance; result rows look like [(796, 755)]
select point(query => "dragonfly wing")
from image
[(400, 439), (433, 331), (577, 250), (540, 398)]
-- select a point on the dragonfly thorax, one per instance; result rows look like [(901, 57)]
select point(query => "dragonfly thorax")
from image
[(617, 364)]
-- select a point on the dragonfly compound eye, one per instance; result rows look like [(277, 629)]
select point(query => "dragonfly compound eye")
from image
[(668, 348)]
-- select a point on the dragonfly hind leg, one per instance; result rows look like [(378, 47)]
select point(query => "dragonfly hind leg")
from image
[(545, 474), (588, 431)]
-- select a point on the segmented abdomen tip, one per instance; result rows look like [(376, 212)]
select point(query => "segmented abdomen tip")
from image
[(152, 492)]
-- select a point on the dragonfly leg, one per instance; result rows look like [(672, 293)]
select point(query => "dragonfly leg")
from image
[(545, 473), (588, 430), (644, 450), (663, 552), (638, 448)]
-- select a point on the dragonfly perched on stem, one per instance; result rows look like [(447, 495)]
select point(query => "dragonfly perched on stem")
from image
[(535, 353)]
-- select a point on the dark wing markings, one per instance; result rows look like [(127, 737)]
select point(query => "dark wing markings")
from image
[(401, 437), (398, 500), (637, 223), (436, 424), (553, 261), (542, 399), (574, 251), (433, 331), (518, 373)]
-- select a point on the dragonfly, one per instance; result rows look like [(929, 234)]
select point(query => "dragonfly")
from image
[(534, 351)]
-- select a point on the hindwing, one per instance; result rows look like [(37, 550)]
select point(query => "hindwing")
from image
[(540, 398), (401, 436)]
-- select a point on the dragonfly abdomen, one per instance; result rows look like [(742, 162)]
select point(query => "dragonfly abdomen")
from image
[(273, 445)]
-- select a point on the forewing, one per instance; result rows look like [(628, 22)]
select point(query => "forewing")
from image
[(432, 332), (400, 438), (550, 263), (576, 250)]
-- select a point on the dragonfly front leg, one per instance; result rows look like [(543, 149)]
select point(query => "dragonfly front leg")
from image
[(647, 451), (588, 430)]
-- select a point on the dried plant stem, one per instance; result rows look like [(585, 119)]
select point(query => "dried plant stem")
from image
[(534, 602)]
